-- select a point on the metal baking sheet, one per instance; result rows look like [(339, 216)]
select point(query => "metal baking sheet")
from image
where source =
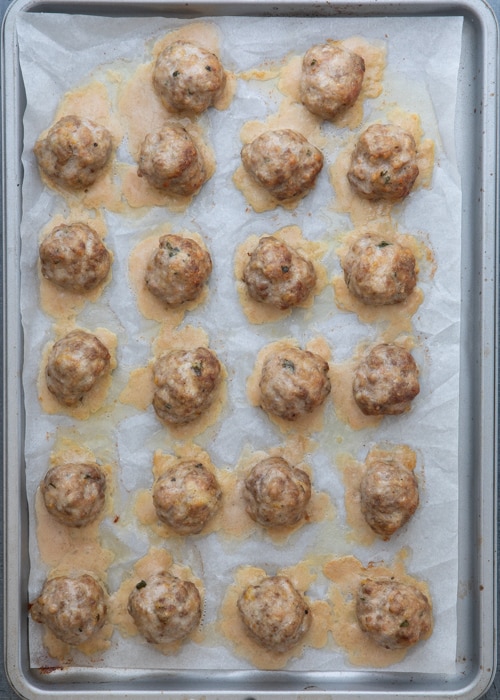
[(476, 603)]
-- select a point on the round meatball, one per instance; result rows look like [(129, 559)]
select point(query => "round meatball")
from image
[(384, 163), (283, 162), (171, 162), (188, 78), (331, 79), (186, 496), (165, 608), (72, 608), (293, 382), (389, 496), (74, 493), (177, 270), (74, 257), (274, 613), (74, 152), (276, 493), (278, 275), (378, 272), (75, 363), (186, 382), (395, 615)]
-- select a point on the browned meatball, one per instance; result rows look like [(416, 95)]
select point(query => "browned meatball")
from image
[(277, 274), (177, 270), (188, 78), (389, 496), (165, 608), (186, 382), (384, 163), (276, 493), (379, 272), (186, 496), (74, 257), (283, 162), (274, 613), (171, 162), (386, 381), (74, 152), (74, 365), (74, 493), (293, 382), (331, 79), (72, 608), (395, 615)]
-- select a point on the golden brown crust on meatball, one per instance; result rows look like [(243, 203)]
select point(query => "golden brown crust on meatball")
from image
[(395, 615), (74, 365), (283, 162), (186, 382), (384, 163), (188, 78), (277, 274), (186, 496), (386, 381), (74, 493), (74, 152), (72, 608), (165, 608)]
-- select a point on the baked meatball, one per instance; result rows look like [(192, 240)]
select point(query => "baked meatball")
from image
[(276, 493), (383, 163), (293, 382), (177, 270), (74, 365), (73, 608), (74, 152), (278, 275), (188, 78), (389, 496), (386, 381), (379, 272), (274, 613), (283, 162), (165, 608), (331, 79), (171, 162), (74, 257), (186, 382), (74, 493), (186, 496), (395, 615)]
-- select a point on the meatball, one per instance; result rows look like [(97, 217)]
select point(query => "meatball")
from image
[(278, 275), (72, 608), (165, 608), (276, 493), (177, 270), (386, 381), (274, 613), (186, 496), (393, 614), (283, 162), (75, 363), (389, 496), (74, 257), (74, 152), (384, 163), (331, 79), (171, 162), (293, 382), (186, 382), (74, 493), (188, 78), (378, 272)]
